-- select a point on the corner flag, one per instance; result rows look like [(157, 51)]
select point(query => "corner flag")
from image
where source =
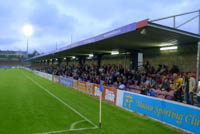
[(101, 86)]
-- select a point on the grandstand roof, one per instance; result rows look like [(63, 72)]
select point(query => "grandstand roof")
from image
[(135, 36)]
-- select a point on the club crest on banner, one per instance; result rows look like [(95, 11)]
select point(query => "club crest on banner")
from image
[(128, 101)]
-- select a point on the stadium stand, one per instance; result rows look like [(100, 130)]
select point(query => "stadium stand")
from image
[(161, 82), (11, 58), (127, 71)]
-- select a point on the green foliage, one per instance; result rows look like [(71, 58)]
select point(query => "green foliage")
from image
[(35, 53)]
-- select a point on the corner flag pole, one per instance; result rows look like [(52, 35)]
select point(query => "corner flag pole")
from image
[(100, 100)]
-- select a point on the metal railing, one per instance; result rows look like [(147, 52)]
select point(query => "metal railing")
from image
[(177, 15)]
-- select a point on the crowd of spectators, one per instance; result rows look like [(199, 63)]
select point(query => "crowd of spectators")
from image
[(160, 82)]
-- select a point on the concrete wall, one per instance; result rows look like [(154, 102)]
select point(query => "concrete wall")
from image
[(184, 57), (107, 59), (90, 62), (116, 59)]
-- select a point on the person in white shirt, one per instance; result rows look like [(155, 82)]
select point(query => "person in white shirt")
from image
[(198, 95)]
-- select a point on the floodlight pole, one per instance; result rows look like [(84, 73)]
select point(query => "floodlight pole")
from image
[(27, 48), (198, 54), (71, 38), (56, 45)]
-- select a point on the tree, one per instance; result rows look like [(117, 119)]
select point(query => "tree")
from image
[(35, 53)]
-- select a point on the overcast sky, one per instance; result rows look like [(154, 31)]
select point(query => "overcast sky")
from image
[(59, 20)]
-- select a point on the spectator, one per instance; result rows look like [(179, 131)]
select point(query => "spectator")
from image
[(163, 93), (152, 92), (122, 86), (186, 87), (192, 85), (174, 69), (178, 82), (159, 68), (165, 84), (143, 90), (148, 81), (164, 70), (152, 82), (198, 99), (158, 79), (170, 95), (198, 95)]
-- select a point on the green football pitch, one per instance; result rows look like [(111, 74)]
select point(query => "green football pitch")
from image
[(30, 104)]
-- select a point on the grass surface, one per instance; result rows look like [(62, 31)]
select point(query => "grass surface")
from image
[(26, 108)]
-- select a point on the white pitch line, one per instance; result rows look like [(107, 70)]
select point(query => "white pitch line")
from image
[(70, 130), (74, 110), (75, 123)]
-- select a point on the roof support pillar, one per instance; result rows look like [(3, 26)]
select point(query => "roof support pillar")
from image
[(125, 59), (137, 60), (134, 60), (81, 60), (197, 70), (198, 54), (41, 63), (67, 61), (59, 61), (48, 62), (99, 57)]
